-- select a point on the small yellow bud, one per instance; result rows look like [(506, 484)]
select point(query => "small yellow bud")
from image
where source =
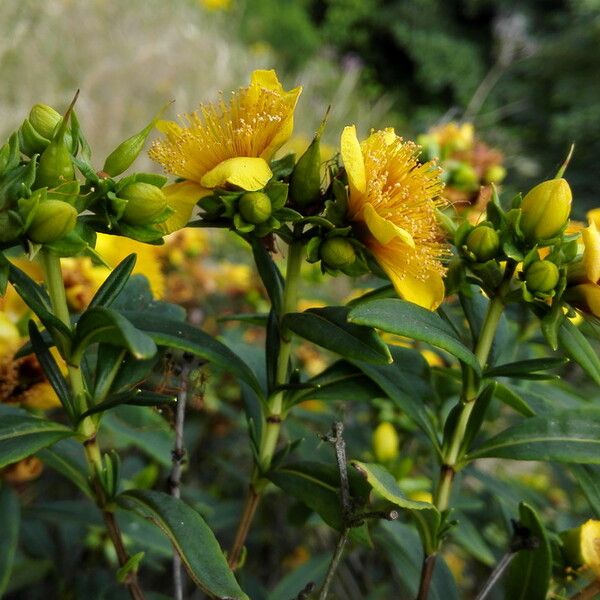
[(542, 276), (545, 209), (386, 442), (53, 219), (44, 119), (464, 178), (483, 242), (495, 174), (255, 207), (337, 253), (145, 203), (581, 546)]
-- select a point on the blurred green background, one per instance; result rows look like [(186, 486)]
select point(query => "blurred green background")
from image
[(527, 73)]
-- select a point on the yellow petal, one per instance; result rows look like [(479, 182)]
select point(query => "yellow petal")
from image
[(590, 545), (280, 138), (591, 254), (170, 128), (266, 79), (586, 297), (383, 230), (250, 174), (594, 217), (353, 161), (181, 197)]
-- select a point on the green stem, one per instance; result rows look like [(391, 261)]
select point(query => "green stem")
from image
[(87, 427), (275, 408)]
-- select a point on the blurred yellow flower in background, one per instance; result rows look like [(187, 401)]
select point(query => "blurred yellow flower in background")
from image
[(393, 198), (215, 4), (225, 143), (456, 136), (584, 276)]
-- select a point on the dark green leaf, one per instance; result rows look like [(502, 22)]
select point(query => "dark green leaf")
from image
[(467, 535), (510, 397), (412, 321), (329, 328), (406, 382), (132, 398), (49, 366), (529, 573), (108, 326), (588, 477), (67, 458), (525, 367), (571, 436), (194, 541), (269, 274), (22, 435), (188, 338), (574, 344), (114, 283), (477, 416), (10, 516)]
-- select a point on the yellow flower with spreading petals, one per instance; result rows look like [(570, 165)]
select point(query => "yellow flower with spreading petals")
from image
[(226, 144), (393, 199), (584, 276)]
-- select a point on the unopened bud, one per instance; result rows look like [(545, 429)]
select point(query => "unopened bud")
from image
[(545, 209), (464, 178), (542, 276), (337, 253), (145, 203), (483, 242), (386, 442), (495, 174), (581, 546), (305, 182), (44, 119), (255, 207), (53, 219)]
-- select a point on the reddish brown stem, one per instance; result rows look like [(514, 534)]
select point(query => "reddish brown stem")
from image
[(426, 576), (250, 507)]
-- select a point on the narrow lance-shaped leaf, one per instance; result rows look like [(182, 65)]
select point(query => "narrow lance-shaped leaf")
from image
[(192, 537), (523, 368), (114, 283), (10, 516), (575, 345), (412, 321), (570, 436)]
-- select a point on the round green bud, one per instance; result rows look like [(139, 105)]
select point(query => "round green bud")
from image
[(145, 203), (53, 219), (542, 276), (44, 119), (483, 242), (495, 174), (255, 207), (464, 178), (545, 209), (337, 253)]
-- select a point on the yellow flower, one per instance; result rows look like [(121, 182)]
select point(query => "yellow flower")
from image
[(393, 198), (9, 336), (229, 143), (594, 216), (581, 546), (215, 4), (584, 277), (458, 137), (25, 470)]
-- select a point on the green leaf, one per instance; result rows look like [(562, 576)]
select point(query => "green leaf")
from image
[(529, 574), (467, 535), (588, 477), (10, 516), (22, 435), (329, 328), (406, 382), (571, 436), (193, 539), (50, 368), (131, 565), (384, 483), (131, 398), (114, 283), (523, 368), (269, 274), (312, 570), (509, 396), (185, 337), (108, 326), (574, 344), (66, 457), (317, 485), (412, 321)]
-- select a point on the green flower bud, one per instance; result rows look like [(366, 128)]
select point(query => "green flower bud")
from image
[(495, 174), (52, 221), (542, 276), (305, 182), (255, 207), (545, 209), (483, 242), (44, 119), (145, 203), (337, 253), (580, 546), (464, 178)]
